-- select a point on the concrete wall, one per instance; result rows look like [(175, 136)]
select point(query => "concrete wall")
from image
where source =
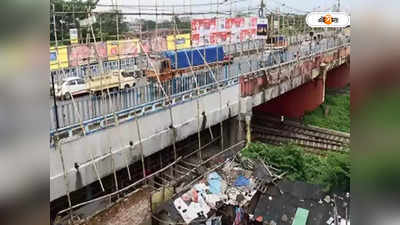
[(155, 135)]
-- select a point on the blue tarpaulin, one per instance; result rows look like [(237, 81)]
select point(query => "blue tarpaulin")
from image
[(242, 181), (214, 182)]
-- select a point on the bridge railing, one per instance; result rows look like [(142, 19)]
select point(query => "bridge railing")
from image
[(140, 61), (83, 111)]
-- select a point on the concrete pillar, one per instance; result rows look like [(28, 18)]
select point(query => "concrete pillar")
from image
[(234, 131), (248, 125), (324, 69)]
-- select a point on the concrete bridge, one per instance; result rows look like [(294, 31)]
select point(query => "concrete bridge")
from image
[(116, 141)]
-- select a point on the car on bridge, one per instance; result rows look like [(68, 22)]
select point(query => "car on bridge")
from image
[(69, 87), (114, 80)]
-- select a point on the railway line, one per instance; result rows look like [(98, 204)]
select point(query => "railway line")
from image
[(318, 140)]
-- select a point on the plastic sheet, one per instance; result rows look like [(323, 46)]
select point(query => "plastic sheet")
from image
[(241, 181), (214, 181)]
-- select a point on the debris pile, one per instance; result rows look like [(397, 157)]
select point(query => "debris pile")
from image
[(253, 192)]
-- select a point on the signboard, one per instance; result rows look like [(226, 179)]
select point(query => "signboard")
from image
[(73, 35), (204, 26), (179, 41), (87, 22), (83, 54), (158, 44), (220, 37), (262, 27), (58, 58), (223, 30), (122, 49)]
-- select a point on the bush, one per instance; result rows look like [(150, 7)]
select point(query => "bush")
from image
[(332, 171), (338, 117)]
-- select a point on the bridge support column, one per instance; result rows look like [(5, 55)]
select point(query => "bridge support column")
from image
[(234, 131)]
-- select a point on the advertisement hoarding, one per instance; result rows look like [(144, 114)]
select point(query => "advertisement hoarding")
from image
[(223, 30), (262, 27), (84, 54), (179, 41), (122, 49), (58, 58)]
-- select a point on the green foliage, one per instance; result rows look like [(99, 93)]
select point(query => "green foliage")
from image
[(66, 21), (338, 117), (332, 171)]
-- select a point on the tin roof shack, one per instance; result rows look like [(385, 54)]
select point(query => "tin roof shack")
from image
[(281, 202)]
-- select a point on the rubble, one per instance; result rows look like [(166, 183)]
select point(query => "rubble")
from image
[(254, 194)]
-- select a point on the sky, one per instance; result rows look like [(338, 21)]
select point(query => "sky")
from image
[(237, 6)]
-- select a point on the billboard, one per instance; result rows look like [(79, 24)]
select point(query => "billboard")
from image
[(262, 27), (158, 44), (179, 41), (84, 54), (122, 49), (223, 30), (204, 26), (220, 37), (58, 58)]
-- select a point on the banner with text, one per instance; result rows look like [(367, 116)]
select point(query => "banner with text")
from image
[(223, 30), (179, 41), (84, 54), (122, 49), (58, 58)]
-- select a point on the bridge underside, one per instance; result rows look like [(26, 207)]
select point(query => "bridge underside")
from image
[(307, 97), (296, 102), (338, 77)]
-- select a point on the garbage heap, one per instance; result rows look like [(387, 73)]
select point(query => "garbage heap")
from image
[(251, 192)]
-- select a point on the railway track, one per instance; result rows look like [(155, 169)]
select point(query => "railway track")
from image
[(314, 139)]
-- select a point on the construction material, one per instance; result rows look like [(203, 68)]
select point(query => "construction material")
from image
[(301, 217)]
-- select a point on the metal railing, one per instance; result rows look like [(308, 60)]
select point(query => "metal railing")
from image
[(140, 61)]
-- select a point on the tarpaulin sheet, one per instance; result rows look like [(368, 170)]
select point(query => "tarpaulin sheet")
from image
[(214, 180), (241, 181)]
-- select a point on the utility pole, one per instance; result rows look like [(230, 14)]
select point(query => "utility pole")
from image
[(261, 10), (338, 5), (52, 75)]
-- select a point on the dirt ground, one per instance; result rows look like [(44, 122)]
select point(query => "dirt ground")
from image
[(135, 210)]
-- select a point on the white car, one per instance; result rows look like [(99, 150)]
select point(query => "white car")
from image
[(71, 86)]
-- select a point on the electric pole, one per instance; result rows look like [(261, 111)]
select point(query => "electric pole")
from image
[(58, 63)]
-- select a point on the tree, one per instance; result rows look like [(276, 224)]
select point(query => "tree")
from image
[(69, 12), (109, 25)]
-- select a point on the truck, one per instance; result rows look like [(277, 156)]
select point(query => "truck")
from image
[(114, 80), (175, 63)]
